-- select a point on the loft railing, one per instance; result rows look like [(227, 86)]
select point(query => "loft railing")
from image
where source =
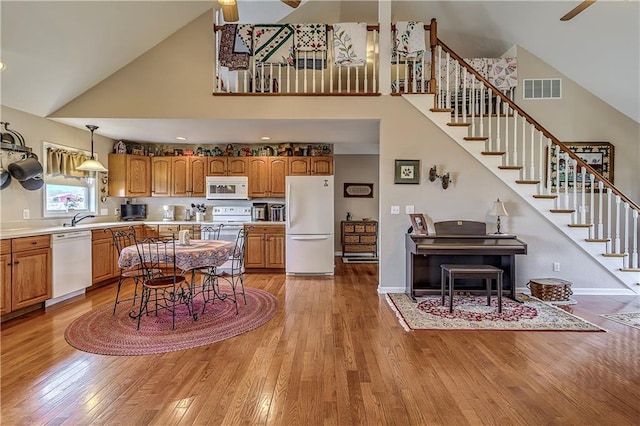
[(524, 144), (281, 79)]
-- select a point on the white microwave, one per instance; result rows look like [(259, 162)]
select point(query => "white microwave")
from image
[(227, 187)]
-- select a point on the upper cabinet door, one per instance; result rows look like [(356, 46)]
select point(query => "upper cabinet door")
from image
[(322, 166), (299, 166), (278, 167), (180, 176), (216, 166), (197, 172), (237, 166), (259, 177), (138, 176), (161, 177)]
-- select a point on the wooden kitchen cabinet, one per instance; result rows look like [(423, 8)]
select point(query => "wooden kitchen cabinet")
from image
[(359, 237), (5, 277), (30, 271), (188, 176), (267, 176), (227, 166), (304, 166), (264, 247), (129, 175), (102, 256), (161, 177), (322, 166), (181, 176)]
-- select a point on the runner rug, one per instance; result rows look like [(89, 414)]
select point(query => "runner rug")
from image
[(472, 313), (100, 332), (632, 319)]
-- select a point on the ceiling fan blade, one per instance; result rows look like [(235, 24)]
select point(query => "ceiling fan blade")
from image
[(292, 3), (579, 8)]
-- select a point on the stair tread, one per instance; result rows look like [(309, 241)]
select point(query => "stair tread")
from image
[(459, 124), (561, 211), (630, 269), (597, 240), (580, 225), (492, 152), (614, 255), (441, 110), (476, 138), (547, 196), (528, 182), (510, 167)]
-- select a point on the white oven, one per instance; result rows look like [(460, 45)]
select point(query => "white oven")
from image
[(227, 187), (232, 218)]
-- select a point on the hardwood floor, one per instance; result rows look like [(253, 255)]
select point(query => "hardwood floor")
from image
[(336, 355)]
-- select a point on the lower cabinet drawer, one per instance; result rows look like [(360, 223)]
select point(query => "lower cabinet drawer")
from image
[(351, 239)]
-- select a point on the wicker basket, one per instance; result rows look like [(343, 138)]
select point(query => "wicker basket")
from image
[(550, 289)]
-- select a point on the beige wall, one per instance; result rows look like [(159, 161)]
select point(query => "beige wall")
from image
[(174, 80), (354, 169), (582, 117), (36, 130)]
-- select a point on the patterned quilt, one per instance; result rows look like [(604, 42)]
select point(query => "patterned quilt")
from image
[(350, 44), (233, 51), (273, 44)]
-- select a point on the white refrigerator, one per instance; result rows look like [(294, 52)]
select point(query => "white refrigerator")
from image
[(309, 225)]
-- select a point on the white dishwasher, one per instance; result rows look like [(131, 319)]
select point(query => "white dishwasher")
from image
[(71, 252)]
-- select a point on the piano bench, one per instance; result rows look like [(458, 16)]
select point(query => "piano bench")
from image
[(449, 273)]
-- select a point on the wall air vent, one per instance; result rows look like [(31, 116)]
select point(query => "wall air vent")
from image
[(542, 88)]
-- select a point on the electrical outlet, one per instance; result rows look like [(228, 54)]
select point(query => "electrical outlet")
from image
[(395, 209), (116, 211), (25, 214), (556, 266), (409, 209)]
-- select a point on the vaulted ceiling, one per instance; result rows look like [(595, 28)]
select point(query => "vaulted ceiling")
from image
[(56, 50)]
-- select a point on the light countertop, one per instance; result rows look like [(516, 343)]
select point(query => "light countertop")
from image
[(29, 232)]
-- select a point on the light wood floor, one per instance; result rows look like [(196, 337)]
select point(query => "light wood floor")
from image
[(335, 355)]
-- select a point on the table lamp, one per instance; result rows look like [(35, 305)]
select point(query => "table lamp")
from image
[(498, 210)]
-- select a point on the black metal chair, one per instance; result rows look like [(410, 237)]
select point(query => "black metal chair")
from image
[(123, 239), (232, 271), (210, 232), (169, 286)]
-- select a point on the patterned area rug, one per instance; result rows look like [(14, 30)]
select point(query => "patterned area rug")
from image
[(472, 313), (632, 319), (100, 332)]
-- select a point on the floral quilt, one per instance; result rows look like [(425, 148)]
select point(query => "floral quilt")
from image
[(350, 44), (273, 44)]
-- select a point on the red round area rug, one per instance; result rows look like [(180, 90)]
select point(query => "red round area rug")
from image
[(100, 332)]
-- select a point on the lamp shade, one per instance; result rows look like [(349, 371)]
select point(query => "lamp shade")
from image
[(92, 165), (498, 209), (229, 10)]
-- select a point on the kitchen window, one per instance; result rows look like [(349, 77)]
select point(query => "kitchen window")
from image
[(66, 190)]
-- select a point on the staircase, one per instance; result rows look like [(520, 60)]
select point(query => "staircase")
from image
[(573, 196)]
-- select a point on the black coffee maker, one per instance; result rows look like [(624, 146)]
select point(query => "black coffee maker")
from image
[(259, 212)]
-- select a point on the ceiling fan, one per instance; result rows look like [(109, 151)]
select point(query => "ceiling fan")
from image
[(579, 8), (230, 8)]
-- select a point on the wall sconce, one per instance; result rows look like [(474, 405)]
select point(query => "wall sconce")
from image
[(445, 178)]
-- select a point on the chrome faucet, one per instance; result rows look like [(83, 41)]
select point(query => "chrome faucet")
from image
[(75, 219)]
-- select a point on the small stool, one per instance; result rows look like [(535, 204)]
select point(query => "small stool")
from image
[(487, 272)]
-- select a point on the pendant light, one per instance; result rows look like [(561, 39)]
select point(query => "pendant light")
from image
[(92, 165)]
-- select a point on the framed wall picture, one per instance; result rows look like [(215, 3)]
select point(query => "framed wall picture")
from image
[(419, 224), (598, 155), (358, 190), (407, 171)]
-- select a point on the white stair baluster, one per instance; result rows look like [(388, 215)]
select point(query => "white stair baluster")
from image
[(541, 147), (583, 218), (464, 94), (514, 160), (609, 223), (634, 251), (625, 260), (591, 206), (574, 191), (531, 169), (447, 78), (600, 218), (617, 217), (548, 186)]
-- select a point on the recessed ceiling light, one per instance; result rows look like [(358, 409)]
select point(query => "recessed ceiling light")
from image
[(2, 66), (181, 138), (265, 138)]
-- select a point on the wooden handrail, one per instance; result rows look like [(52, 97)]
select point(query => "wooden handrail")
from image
[(375, 27), (537, 125)]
